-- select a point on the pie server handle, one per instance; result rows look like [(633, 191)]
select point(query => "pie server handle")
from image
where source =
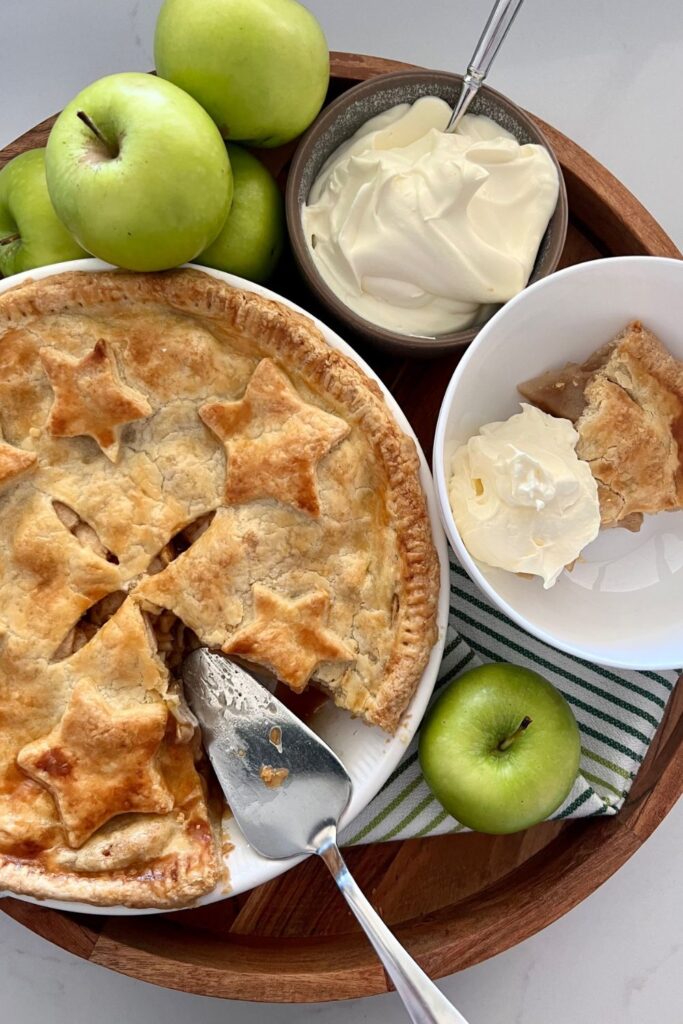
[(422, 999)]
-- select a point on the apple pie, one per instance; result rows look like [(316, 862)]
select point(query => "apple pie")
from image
[(181, 463), (626, 402)]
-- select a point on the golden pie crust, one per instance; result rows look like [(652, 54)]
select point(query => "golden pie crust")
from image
[(626, 402), (631, 430), (181, 463)]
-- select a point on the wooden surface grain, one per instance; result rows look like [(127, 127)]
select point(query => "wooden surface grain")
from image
[(453, 900)]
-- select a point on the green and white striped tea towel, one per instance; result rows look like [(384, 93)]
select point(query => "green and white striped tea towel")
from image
[(618, 713)]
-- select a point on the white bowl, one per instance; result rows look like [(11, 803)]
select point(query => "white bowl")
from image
[(369, 754), (622, 604)]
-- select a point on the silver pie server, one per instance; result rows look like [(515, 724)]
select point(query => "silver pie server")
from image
[(499, 21), (287, 791)]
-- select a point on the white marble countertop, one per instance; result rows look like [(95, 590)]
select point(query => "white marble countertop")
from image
[(609, 75)]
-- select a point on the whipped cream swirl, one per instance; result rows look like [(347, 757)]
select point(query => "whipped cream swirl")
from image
[(522, 500), (423, 232)]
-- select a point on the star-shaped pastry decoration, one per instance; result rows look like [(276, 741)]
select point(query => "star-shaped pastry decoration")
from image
[(288, 637), (13, 462), (273, 441), (99, 761), (90, 397), (200, 586)]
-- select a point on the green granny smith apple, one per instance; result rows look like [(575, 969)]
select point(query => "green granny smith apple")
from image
[(138, 172), (500, 748), (260, 67), (250, 243), (31, 234)]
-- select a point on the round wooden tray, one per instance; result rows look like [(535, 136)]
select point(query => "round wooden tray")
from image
[(453, 900)]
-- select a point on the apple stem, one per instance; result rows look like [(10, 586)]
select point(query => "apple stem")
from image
[(89, 123), (10, 238), (522, 727)]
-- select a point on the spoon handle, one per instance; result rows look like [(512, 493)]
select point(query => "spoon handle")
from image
[(422, 999), (496, 28)]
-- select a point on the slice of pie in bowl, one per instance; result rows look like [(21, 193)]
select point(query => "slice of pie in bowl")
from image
[(626, 401)]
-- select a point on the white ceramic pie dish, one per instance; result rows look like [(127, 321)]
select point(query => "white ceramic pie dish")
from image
[(622, 604), (370, 754)]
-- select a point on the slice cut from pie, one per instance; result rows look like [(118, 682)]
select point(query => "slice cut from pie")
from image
[(181, 463), (626, 402)]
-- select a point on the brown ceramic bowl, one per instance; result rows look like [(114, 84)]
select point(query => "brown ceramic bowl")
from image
[(337, 123)]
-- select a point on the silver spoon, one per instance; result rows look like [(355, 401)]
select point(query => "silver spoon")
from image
[(496, 28), (254, 741)]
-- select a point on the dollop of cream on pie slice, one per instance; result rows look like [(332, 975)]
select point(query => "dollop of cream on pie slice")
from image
[(90, 398), (289, 637), (273, 441), (99, 761), (13, 463)]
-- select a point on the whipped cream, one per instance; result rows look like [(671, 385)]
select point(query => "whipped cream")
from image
[(423, 232), (522, 500)]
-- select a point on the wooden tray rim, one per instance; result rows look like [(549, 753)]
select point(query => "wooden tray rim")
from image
[(440, 940)]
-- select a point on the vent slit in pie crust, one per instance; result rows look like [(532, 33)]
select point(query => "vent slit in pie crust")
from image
[(238, 484), (82, 531), (88, 625)]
